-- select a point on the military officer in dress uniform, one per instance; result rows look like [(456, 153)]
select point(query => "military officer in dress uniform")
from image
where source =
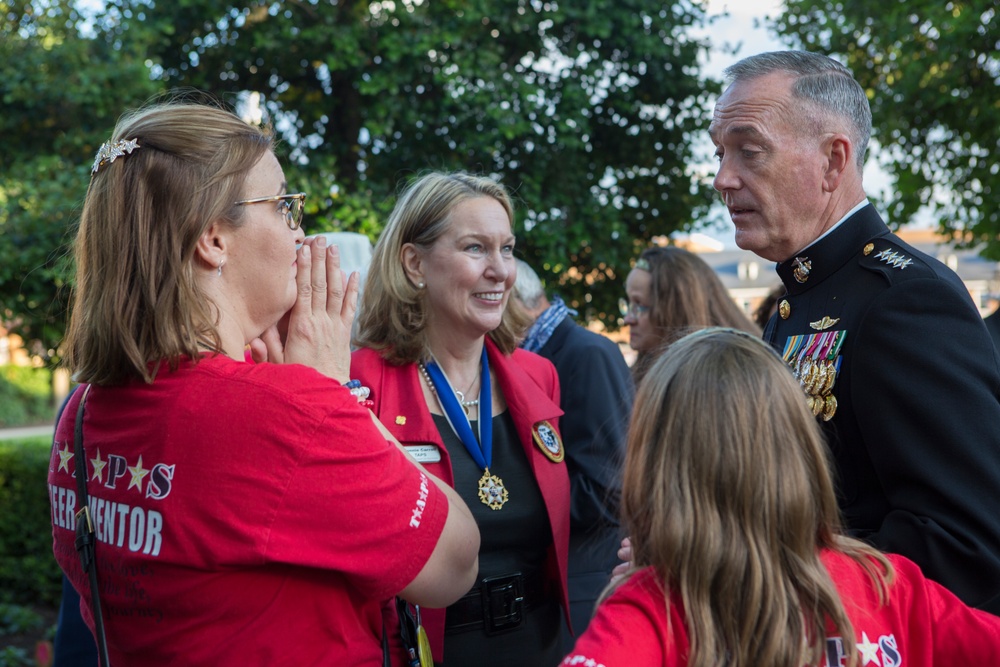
[(887, 345)]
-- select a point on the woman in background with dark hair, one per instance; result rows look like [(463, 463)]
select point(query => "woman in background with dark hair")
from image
[(672, 292)]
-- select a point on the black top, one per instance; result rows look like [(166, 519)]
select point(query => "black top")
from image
[(515, 538), (915, 437)]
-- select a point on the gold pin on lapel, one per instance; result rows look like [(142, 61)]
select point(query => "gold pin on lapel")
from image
[(400, 420)]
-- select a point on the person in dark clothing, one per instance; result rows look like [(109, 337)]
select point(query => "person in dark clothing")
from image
[(597, 399)]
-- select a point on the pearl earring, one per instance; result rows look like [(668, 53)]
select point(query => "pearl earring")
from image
[(220, 267), (420, 285)]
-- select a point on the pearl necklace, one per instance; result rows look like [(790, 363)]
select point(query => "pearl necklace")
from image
[(461, 397)]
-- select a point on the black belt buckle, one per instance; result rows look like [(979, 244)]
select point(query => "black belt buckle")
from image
[(503, 603)]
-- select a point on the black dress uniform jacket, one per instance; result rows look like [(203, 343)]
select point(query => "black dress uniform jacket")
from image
[(915, 428)]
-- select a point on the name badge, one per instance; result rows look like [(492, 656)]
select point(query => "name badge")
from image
[(424, 453)]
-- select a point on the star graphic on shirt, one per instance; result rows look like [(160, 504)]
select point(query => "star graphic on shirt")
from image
[(98, 466), (138, 472), (64, 456), (869, 651)]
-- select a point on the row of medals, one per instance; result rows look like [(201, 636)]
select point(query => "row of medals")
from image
[(817, 377), (816, 372)]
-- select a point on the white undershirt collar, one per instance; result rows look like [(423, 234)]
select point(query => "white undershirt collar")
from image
[(864, 202)]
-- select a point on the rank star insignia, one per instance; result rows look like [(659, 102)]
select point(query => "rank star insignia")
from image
[(893, 259)]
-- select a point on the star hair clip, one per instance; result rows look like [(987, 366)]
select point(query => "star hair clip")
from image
[(112, 150)]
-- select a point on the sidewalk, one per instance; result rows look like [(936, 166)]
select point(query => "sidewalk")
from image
[(26, 432)]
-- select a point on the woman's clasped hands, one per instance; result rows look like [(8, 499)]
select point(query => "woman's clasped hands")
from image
[(316, 332)]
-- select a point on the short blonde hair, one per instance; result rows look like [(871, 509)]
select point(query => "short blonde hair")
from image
[(136, 302), (392, 319), (728, 494)]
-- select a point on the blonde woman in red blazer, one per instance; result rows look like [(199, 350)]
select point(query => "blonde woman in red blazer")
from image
[(439, 355)]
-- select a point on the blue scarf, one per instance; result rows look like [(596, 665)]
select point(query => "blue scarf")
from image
[(540, 332)]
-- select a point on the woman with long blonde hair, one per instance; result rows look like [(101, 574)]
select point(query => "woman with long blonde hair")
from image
[(738, 557)]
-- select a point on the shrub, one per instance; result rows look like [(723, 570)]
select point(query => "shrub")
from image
[(16, 619), (28, 570), (12, 656), (25, 395)]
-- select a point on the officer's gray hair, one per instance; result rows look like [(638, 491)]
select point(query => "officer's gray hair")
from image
[(527, 286), (821, 80)]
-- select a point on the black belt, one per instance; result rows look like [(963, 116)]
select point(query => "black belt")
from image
[(498, 604)]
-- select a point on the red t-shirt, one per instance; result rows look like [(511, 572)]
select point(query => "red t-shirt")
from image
[(922, 624), (245, 514)]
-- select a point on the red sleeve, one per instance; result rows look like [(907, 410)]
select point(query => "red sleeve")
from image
[(629, 629), (959, 634), (369, 512)]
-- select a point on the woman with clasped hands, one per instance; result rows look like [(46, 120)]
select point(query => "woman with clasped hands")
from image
[(440, 356), (244, 513)]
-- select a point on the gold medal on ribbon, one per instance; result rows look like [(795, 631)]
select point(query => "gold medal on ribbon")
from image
[(492, 492), (829, 407)]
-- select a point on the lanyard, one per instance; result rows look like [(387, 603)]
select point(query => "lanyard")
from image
[(480, 450)]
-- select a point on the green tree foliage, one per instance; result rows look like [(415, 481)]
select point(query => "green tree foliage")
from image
[(61, 92), (932, 72), (585, 109)]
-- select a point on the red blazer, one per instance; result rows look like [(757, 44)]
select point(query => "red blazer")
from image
[(530, 387)]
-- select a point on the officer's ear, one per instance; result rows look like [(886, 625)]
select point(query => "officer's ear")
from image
[(839, 153)]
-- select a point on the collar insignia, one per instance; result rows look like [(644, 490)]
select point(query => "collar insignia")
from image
[(802, 267)]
